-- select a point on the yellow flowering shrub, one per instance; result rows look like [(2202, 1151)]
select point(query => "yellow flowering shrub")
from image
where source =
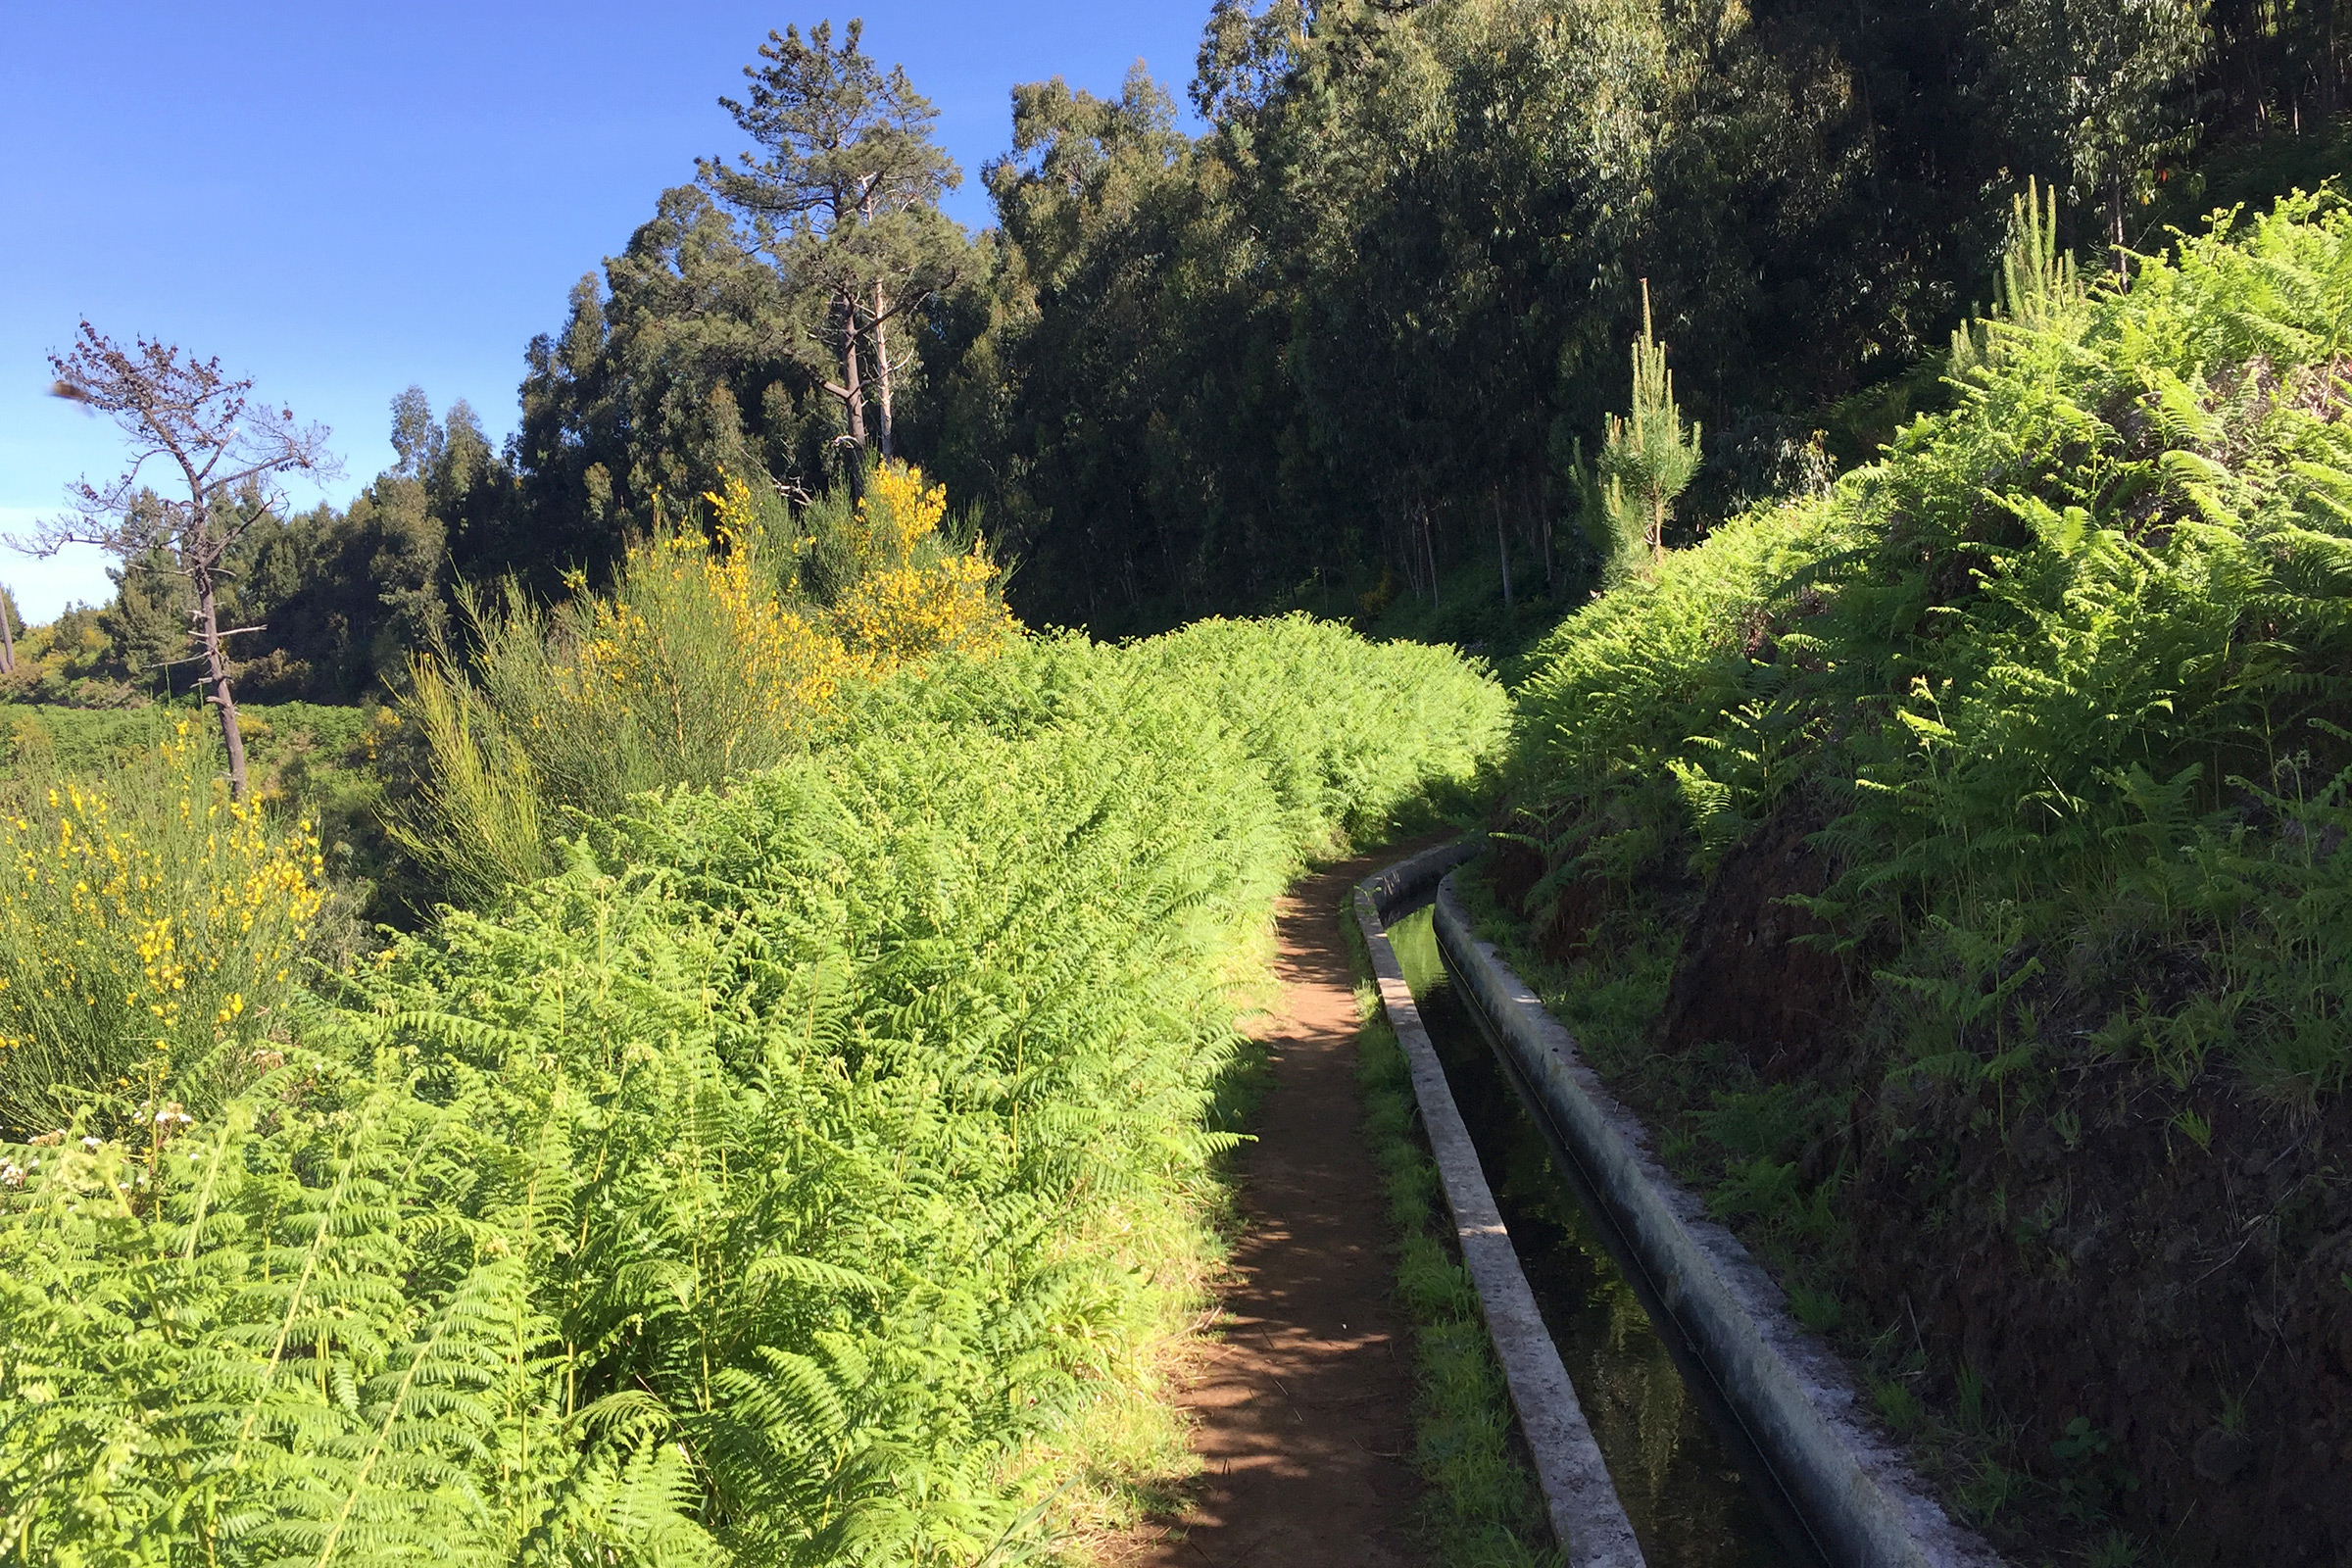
[(700, 639), (710, 659), (911, 597), (899, 512), (149, 927)]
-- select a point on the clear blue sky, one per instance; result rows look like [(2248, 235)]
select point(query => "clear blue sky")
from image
[(339, 200)]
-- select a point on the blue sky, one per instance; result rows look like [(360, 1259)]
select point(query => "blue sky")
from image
[(339, 200)]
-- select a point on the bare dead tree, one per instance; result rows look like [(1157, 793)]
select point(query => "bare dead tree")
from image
[(181, 414)]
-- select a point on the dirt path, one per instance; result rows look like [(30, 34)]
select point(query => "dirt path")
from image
[(1303, 1409)]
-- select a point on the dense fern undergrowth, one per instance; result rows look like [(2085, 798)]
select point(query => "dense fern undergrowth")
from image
[(1952, 866), (785, 1178)]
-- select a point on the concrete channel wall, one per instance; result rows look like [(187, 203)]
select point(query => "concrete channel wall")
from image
[(1862, 1502), (1586, 1514)]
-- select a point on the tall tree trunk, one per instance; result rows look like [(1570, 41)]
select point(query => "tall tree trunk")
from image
[(1543, 530), (1429, 544), (882, 405), (8, 643), (2328, 75), (852, 380), (882, 374), (2115, 211), (853, 395), (1503, 547), (216, 673)]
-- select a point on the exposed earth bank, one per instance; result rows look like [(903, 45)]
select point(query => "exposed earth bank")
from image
[(2122, 1318)]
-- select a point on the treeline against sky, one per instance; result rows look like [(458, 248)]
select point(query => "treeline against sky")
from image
[(1348, 336), (1362, 321)]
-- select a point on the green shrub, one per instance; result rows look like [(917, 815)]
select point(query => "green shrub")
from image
[(775, 1182), (710, 659)]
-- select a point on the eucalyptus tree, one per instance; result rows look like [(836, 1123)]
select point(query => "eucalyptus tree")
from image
[(184, 415), (687, 356), (1086, 356), (843, 195), (2097, 93)]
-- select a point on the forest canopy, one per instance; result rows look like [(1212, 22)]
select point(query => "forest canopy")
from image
[(1350, 334)]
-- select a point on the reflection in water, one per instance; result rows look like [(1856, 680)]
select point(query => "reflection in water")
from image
[(1679, 1486)]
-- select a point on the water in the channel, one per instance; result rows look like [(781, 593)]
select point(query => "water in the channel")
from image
[(1674, 1458)]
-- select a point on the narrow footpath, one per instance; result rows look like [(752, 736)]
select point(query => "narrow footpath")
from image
[(1304, 1407)]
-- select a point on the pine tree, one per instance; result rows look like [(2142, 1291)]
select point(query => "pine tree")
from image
[(845, 202), (1611, 523), (182, 412), (1646, 462)]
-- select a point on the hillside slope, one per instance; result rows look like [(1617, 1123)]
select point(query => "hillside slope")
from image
[(1950, 869)]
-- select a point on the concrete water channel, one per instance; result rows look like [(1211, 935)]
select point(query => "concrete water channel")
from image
[(1695, 1490), (1675, 1413)]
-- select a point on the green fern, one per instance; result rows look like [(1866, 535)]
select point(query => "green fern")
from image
[(772, 1184), (2125, 557)]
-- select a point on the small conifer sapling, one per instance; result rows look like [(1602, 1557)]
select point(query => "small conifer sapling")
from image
[(1649, 455)]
